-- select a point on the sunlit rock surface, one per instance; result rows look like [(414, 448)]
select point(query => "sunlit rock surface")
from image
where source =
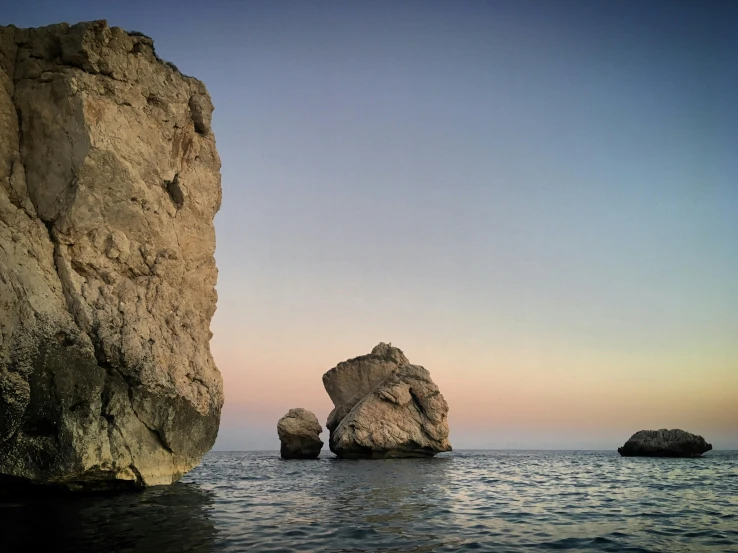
[(109, 182), (385, 407)]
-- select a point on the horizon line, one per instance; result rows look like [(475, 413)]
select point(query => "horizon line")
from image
[(463, 449)]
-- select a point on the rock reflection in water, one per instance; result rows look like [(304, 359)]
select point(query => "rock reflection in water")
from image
[(169, 518), (400, 498)]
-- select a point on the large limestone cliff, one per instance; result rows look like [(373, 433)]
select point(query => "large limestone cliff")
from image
[(109, 183)]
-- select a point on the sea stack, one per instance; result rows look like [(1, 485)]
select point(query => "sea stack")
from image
[(109, 182), (385, 407), (664, 443), (298, 434)]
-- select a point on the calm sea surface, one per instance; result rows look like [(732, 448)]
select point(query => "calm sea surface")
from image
[(468, 500)]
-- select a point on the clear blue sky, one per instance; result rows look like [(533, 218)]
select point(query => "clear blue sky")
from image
[(536, 200)]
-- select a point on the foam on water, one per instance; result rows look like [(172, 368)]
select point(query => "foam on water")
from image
[(469, 500)]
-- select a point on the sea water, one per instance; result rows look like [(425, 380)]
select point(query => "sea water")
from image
[(466, 500)]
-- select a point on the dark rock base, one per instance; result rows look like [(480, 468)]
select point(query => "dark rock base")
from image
[(628, 453), (311, 451)]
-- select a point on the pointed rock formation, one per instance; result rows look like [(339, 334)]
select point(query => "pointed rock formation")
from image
[(298, 433), (385, 407), (109, 182), (664, 443)]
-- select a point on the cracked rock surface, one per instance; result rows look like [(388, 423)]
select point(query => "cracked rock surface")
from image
[(385, 407), (109, 183)]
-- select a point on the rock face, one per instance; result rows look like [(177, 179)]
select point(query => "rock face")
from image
[(385, 407), (109, 182), (298, 433), (664, 443)]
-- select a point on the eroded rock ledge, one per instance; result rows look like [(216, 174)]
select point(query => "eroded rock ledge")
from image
[(109, 183), (385, 407)]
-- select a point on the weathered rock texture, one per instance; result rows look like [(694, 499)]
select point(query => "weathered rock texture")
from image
[(664, 443), (109, 182), (385, 407), (299, 432)]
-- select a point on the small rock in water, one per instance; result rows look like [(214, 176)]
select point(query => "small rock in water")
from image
[(664, 443), (298, 431)]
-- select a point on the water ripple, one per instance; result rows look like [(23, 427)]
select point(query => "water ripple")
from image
[(462, 501)]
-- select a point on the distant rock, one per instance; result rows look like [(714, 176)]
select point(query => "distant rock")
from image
[(385, 407), (664, 443), (298, 431)]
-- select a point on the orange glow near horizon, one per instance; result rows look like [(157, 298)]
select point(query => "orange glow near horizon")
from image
[(582, 392)]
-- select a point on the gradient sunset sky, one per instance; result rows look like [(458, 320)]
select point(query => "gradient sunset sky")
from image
[(535, 200)]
